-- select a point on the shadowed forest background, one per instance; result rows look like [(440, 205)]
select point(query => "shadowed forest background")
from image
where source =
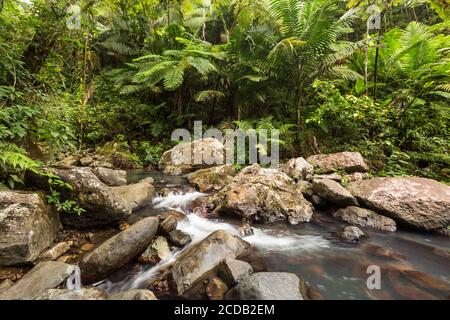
[(133, 71)]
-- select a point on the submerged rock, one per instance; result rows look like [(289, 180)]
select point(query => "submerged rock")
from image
[(27, 227), (267, 286), (197, 261), (103, 207), (117, 251), (111, 177), (46, 275), (298, 168), (343, 161), (212, 179), (333, 192), (262, 195), (137, 195), (365, 218), (134, 295), (352, 234), (234, 271), (418, 202), (181, 159), (66, 294)]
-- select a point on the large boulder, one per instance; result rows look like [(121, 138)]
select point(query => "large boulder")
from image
[(365, 218), (27, 227), (298, 168), (262, 195), (137, 195), (44, 276), (111, 177), (180, 159), (212, 179), (66, 294), (194, 264), (343, 161), (268, 286), (103, 207), (332, 191), (118, 250), (417, 202)]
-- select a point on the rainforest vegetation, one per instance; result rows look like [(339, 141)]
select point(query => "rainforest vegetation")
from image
[(334, 75)]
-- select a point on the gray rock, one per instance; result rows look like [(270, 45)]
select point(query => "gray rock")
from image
[(169, 224), (212, 179), (134, 295), (352, 234), (343, 161), (298, 168), (234, 271), (199, 260), (418, 202), (111, 177), (365, 218), (118, 250), (81, 294), (137, 195), (180, 159), (179, 238), (267, 286), (333, 192), (56, 251), (157, 251), (44, 276), (103, 207), (27, 227)]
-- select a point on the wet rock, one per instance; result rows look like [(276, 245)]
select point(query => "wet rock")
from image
[(297, 169), (134, 295), (216, 289), (426, 281), (158, 251), (86, 161), (44, 276), (412, 293), (197, 261), (118, 250), (332, 191), (179, 238), (137, 195), (169, 224), (180, 159), (381, 252), (234, 271), (56, 251), (352, 234), (262, 195), (27, 227), (267, 286), (418, 202), (343, 161), (81, 294), (111, 177), (365, 218), (212, 179), (103, 207)]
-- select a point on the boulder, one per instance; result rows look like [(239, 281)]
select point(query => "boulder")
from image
[(212, 179), (365, 218), (333, 192), (111, 177), (417, 202), (179, 238), (133, 295), (180, 159), (234, 271), (103, 207), (28, 226), (261, 195), (352, 234), (158, 251), (118, 250), (267, 286), (137, 195), (194, 264), (343, 161), (66, 294), (297, 169), (44, 276)]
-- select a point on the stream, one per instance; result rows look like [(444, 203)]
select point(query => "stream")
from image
[(413, 265)]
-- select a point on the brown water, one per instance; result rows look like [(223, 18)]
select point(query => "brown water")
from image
[(413, 265)]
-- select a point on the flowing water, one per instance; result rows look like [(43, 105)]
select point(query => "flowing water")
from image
[(413, 265)]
